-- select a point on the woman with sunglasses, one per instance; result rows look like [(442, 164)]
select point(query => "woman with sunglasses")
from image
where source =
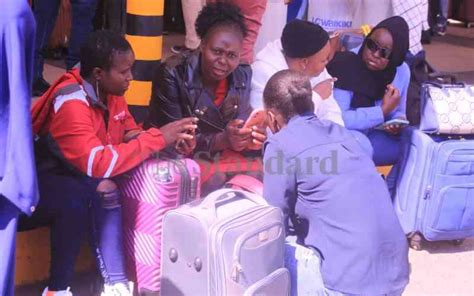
[(372, 86)]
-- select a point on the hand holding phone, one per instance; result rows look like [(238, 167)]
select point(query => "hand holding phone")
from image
[(394, 126), (258, 117), (259, 136), (186, 146), (257, 121), (397, 121)]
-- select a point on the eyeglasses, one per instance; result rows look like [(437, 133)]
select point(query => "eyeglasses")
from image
[(374, 47)]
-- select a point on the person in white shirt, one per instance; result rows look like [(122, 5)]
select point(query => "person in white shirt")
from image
[(303, 47)]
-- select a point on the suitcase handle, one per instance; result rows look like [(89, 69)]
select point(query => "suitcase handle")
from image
[(247, 183), (213, 200)]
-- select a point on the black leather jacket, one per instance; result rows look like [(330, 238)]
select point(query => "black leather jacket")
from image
[(178, 92)]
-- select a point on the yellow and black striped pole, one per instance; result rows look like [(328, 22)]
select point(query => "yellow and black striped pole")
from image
[(145, 34)]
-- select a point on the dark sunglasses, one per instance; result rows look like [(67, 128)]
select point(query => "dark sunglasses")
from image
[(374, 47)]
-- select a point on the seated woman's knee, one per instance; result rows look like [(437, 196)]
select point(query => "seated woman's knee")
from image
[(109, 194)]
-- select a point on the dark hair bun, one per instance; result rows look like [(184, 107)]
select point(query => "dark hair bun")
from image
[(220, 14)]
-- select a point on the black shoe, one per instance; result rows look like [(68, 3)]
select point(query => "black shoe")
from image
[(40, 86), (425, 37)]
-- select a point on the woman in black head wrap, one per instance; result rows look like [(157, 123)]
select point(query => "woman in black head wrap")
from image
[(372, 85)]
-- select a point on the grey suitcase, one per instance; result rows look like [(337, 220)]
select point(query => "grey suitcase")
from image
[(230, 243)]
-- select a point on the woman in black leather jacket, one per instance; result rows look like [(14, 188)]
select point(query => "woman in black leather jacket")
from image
[(210, 84)]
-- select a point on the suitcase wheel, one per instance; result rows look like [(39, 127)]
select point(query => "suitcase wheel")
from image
[(415, 241)]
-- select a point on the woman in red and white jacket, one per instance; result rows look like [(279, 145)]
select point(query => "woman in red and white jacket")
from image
[(84, 136)]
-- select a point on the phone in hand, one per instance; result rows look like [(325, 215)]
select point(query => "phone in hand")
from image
[(258, 117), (395, 121)]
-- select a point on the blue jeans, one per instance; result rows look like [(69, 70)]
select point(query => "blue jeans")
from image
[(296, 10), (304, 265), (386, 147), (387, 151), (46, 12), (393, 293), (443, 11), (67, 203)]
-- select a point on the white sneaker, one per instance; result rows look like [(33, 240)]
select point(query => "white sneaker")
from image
[(119, 289), (66, 292)]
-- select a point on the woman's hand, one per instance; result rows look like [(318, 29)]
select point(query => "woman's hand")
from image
[(186, 147), (182, 129), (393, 129), (239, 137), (259, 136), (390, 100), (324, 88)]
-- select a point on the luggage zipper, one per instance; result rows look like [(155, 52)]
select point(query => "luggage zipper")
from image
[(185, 189), (217, 236), (429, 188), (237, 267), (214, 247)]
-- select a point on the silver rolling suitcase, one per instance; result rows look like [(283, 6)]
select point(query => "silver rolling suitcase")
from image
[(230, 243)]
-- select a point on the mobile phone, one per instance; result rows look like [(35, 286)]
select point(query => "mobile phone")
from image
[(258, 117), (395, 121)]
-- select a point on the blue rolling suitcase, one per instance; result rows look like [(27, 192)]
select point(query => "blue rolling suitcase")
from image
[(435, 188), (434, 196)]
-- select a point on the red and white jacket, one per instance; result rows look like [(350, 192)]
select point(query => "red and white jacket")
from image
[(71, 115)]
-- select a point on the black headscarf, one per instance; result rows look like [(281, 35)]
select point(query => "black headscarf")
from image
[(367, 85)]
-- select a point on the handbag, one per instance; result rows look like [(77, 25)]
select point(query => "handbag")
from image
[(447, 108)]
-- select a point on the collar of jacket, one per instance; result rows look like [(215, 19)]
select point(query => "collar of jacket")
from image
[(309, 115), (90, 92), (193, 73)]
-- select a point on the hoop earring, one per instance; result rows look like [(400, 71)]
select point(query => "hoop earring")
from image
[(97, 89)]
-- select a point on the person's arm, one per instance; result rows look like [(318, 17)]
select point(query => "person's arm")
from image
[(359, 118), (260, 76), (330, 110), (167, 105), (18, 182), (317, 100), (73, 132), (279, 186), (325, 107), (245, 107), (132, 129), (235, 137), (402, 82)]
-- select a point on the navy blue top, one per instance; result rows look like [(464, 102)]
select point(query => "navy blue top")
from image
[(317, 169)]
